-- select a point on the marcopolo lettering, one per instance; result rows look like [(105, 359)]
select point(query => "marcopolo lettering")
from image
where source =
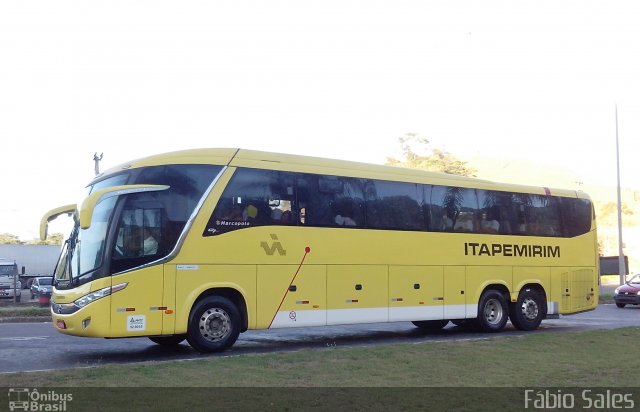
[(511, 250)]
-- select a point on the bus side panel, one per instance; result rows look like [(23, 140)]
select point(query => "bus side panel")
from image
[(136, 309), (357, 294), (523, 275), (302, 304), (169, 300), (454, 292), (193, 281), (578, 289), (415, 293), (479, 277)]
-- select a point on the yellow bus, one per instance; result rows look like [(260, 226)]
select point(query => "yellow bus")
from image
[(205, 244)]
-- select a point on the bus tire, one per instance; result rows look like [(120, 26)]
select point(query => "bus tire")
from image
[(214, 324), (621, 305), (528, 311), (493, 312), (167, 341), (431, 325)]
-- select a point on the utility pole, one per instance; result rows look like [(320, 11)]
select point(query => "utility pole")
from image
[(621, 265), (97, 159)]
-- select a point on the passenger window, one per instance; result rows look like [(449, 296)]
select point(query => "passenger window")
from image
[(330, 201), (541, 216), (497, 212), (453, 209), (394, 205), (254, 198), (576, 216)]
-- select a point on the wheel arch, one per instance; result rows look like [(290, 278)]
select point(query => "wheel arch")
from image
[(231, 293), (472, 308), (533, 285)]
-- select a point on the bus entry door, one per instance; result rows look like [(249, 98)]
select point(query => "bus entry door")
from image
[(137, 309)]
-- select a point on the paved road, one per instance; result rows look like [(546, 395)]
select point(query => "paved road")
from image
[(37, 346)]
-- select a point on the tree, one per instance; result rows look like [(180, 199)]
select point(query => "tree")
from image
[(9, 239), (434, 159), (52, 239)]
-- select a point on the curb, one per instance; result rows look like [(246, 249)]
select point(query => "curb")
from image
[(25, 319)]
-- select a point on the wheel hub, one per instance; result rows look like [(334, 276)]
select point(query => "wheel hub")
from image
[(215, 324), (530, 309), (493, 312)]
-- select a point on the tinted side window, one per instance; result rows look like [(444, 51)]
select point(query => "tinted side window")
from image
[(453, 209), (331, 201), (498, 212), (394, 205), (254, 197), (540, 216), (576, 216)]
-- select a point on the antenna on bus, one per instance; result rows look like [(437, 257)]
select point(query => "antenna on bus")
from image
[(97, 159)]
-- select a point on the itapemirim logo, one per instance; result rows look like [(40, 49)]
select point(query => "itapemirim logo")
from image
[(25, 399), (271, 250)]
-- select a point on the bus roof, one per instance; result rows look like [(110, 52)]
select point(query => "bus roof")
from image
[(296, 163)]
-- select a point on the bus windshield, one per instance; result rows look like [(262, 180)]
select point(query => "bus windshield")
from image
[(83, 251)]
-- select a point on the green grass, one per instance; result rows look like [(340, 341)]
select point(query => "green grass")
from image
[(540, 359), (12, 311), (606, 298)]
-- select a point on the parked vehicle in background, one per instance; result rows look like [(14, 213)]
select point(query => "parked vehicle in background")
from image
[(41, 287), (9, 283), (628, 294), (33, 261)]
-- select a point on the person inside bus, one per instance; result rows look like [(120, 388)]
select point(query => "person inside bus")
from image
[(344, 221), (150, 243), (286, 218), (446, 225), (464, 222), (489, 223)]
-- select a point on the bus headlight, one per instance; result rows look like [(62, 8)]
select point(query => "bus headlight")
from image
[(69, 308), (615, 292), (98, 294)]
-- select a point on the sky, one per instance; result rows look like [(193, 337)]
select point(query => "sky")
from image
[(516, 83)]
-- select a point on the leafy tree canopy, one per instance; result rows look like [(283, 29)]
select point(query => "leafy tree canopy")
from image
[(10, 239), (433, 159)]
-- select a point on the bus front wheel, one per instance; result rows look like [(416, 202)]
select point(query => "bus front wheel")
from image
[(492, 312), (528, 311), (214, 324), (172, 340)]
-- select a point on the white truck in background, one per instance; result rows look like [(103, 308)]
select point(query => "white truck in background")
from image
[(10, 284)]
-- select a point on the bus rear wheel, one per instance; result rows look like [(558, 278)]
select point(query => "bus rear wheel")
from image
[(492, 312), (528, 311), (430, 325), (214, 324), (173, 340)]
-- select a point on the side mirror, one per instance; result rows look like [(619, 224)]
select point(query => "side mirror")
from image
[(51, 215), (90, 203)]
